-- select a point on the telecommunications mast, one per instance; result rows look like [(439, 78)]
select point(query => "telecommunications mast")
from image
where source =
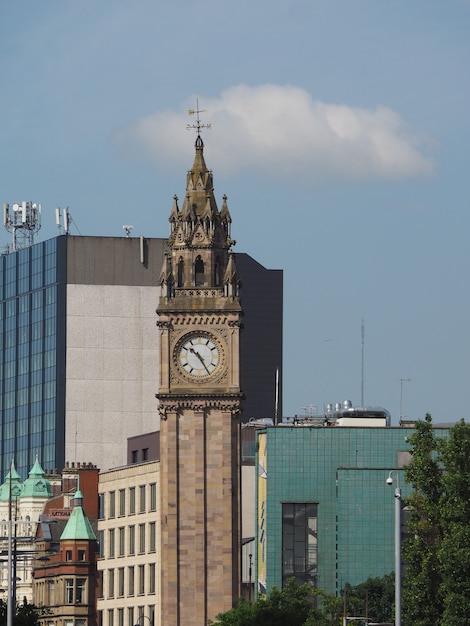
[(67, 218), (23, 221)]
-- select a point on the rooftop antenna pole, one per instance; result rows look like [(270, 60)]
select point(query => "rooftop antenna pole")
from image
[(402, 380), (67, 218), (276, 401), (362, 363)]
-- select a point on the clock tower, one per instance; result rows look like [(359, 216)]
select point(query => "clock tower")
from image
[(199, 319)]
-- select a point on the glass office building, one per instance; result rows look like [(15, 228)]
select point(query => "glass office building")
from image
[(32, 355), (325, 514)]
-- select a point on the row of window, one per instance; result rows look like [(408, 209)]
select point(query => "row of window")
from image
[(124, 501), (30, 268), (129, 581), (127, 541), (116, 617), (75, 591)]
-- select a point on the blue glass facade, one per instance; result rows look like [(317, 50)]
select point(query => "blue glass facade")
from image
[(32, 356), (342, 472)]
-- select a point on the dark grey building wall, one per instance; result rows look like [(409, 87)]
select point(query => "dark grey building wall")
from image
[(261, 338), (114, 260)]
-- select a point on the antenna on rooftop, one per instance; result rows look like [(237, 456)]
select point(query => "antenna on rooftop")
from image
[(66, 217), (23, 221), (362, 363), (127, 228), (402, 380)]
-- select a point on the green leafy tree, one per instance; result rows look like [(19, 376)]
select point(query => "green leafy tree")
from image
[(422, 600), (436, 587), (454, 554), (291, 606), (26, 614), (374, 597)]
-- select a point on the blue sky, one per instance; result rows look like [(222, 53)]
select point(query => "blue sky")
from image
[(340, 134)]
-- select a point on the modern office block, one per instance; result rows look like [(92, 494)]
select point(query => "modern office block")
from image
[(325, 514), (79, 347)]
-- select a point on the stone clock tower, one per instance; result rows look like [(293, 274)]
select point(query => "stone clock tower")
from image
[(199, 404)]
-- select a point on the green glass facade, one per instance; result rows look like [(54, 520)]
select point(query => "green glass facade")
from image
[(32, 356), (338, 474)]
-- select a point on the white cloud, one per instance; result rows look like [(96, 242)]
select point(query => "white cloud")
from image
[(282, 132)]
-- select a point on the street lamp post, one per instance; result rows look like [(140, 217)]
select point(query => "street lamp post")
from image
[(10, 574), (397, 545)]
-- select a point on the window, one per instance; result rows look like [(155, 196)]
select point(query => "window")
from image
[(299, 542), (110, 617), (217, 273), (75, 591), (131, 539), (142, 499), (141, 579), (152, 578), (80, 596), (121, 582), (145, 454), (130, 580), (199, 272), (131, 500), (122, 541), (99, 585), (141, 538), (69, 591), (180, 272), (81, 555), (120, 617), (135, 456), (152, 536), (101, 543), (112, 504), (130, 615), (110, 583), (153, 497), (111, 542), (101, 503), (68, 555), (122, 502)]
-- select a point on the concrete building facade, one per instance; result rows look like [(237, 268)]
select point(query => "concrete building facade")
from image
[(129, 537)]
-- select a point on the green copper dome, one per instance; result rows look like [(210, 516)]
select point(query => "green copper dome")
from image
[(78, 526), (11, 485), (36, 486)]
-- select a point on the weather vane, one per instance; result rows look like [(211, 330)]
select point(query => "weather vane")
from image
[(197, 126)]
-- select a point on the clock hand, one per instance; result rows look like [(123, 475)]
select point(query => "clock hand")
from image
[(200, 358)]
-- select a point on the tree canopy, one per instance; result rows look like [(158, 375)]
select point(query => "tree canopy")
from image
[(26, 614), (373, 598), (436, 586), (293, 606)]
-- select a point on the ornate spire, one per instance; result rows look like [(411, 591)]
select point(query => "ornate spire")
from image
[(200, 238)]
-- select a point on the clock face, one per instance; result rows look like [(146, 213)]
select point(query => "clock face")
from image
[(198, 355)]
